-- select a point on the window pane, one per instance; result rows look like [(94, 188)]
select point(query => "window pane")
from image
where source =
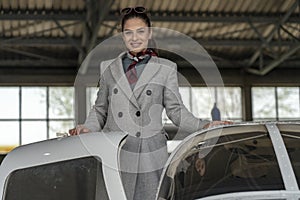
[(91, 96), (59, 127), (202, 102), (9, 102), (34, 102), (185, 95), (9, 134), (165, 118), (203, 98), (61, 100), (288, 102), (33, 131), (229, 101), (263, 102)]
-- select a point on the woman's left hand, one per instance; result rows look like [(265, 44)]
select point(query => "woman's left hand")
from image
[(217, 123)]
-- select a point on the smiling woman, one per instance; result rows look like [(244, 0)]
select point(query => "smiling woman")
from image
[(134, 90)]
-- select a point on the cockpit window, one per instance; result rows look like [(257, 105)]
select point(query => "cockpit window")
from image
[(232, 163), (68, 180)]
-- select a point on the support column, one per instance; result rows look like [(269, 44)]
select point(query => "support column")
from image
[(247, 103), (80, 104)]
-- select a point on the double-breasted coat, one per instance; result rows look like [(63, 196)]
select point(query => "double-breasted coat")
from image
[(138, 112)]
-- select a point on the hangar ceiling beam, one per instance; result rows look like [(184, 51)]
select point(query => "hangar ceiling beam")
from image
[(284, 19), (276, 62), (68, 37), (32, 54), (168, 16), (36, 41), (38, 62), (217, 17), (32, 36), (42, 14), (223, 63), (96, 14)]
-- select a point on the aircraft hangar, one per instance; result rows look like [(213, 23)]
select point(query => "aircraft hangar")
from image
[(48, 82)]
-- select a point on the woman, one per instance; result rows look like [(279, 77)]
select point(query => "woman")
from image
[(134, 90)]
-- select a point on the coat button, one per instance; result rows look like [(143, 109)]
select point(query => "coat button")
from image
[(116, 90), (138, 134), (148, 92), (138, 113), (120, 114)]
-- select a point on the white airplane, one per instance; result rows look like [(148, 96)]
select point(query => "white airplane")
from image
[(240, 161)]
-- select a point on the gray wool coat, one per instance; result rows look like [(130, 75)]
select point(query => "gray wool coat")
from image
[(138, 112)]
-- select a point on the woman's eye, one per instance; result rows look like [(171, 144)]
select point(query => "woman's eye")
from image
[(127, 33), (141, 31)]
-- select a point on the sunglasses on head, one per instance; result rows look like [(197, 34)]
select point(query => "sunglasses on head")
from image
[(138, 9)]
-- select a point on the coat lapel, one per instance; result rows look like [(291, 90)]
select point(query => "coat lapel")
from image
[(121, 79), (149, 71)]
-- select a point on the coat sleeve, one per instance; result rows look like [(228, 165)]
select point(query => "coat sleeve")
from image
[(175, 109), (96, 119)]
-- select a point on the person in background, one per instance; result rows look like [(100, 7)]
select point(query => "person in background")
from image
[(215, 113), (133, 91)]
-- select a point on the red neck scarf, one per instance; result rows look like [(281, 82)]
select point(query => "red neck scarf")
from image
[(131, 71)]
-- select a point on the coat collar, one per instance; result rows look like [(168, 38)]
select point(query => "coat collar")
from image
[(149, 71), (118, 74)]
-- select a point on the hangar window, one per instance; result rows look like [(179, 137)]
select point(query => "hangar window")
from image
[(275, 103), (91, 96), (30, 114), (200, 101)]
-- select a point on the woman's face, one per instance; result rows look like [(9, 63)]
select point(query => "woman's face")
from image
[(136, 34)]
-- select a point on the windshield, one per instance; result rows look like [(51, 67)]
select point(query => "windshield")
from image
[(232, 163), (77, 179)]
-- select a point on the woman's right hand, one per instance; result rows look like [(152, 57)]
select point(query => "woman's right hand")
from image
[(80, 128)]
